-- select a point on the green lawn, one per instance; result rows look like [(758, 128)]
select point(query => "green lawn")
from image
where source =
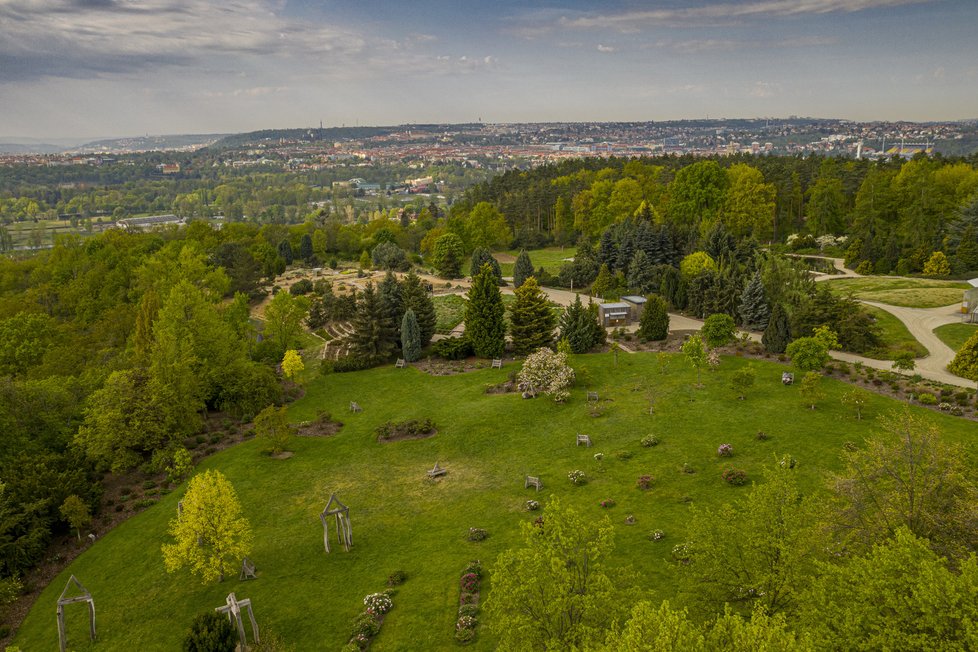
[(907, 292), (896, 338), (955, 335), (401, 521), (449, 311), (551, 258)]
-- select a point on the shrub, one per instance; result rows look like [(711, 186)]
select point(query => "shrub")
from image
[(735, 477), (470, 582), (657, 535), (927, 399), (300, 287), (396, 578), (210, 632), (645, 481), (532, 505), (546, 372), (577, 477), (762, 436), (467, 598), (649, 441), (624, 455), (377, 603), (598, 457), (465, 636), (466, 622), (687, 469), (725, 450), (453, 348), (468, 610), (607, 502), (365, 625), (682, 553), (477, 534), (475, 567)]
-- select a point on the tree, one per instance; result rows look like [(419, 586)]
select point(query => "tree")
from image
[(695, 354), (142, 338), (904, 361), (965, 362), (857, 400), (211, 536), (641, 273), (391, 297), (579, 327), (387, 255), (718, 330), (24, 338), (907, 475), (777, 335), (365, 260), (211, 632), (76, 513), (480, 257), (410, 337), (181, 465), (306, 251), (811, 391), (546, 372), (447, 256), (750, 203), (285, 251), (900, 596), (531, 321), (292, 364), (272, 429), (486, 227), (760, 550), (416, 298), (563, 222), (373, 332), (811, 353), (654, 323), (742, 380), (937, 265), (754, 311), (695, 264), (283, 320), (604, 285), (484, 325), (826, 206), (523, 269), (553, 593)]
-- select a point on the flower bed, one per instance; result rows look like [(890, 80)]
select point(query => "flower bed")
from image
[(367, 624), (470, 585), (577, 477), (735, 477), (725, 450)]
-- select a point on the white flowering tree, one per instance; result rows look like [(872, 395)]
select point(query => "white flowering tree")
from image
[(546, 372)]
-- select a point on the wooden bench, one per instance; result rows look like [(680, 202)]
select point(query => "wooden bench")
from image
[(247, 570), (497, 363), (532, 481), (400, 363), (436, 471), (592, 396), (584, 439), (355, 407)]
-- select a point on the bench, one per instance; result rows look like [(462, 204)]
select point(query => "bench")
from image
[(436, 471), (584, 439), (355, 407), (400, 363), (497, 363), (532, 481)]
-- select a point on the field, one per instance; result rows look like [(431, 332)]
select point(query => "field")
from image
[(906, 292), (551, 259), (895, 336), (402, 521), (955, 335)]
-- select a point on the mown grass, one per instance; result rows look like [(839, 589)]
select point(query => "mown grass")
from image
[(551, 259), (449, 312), (895, 336), (402, 521), (906, 292), (955, 335)]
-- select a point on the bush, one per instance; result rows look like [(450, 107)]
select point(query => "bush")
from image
[(365, 625), (210, 632), (577, 477), (468, 610), (478, 534), (532, 505), (409, 428), (465, 636), (356, 363), (735, 477), (645, 481), (927, 399), (607, 503), (453, 348), (657, 535), (396, 578), (377, 603), (648, 441), (624, 455), (725, 450), (475, 567), (466, 622), (300, 287), (470, 582), (762, 436)]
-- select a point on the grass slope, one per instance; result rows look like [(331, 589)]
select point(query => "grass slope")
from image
[(551, 259), (895, 336), (401, 521), (955, 335), (907, 292)]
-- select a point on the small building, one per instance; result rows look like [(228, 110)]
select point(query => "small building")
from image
[(969, 303), (615, 314), (636, 306)]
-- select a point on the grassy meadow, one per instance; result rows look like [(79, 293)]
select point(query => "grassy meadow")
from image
[(955, 335), (551, 259), (906, 292), (402, 521), (895, 336)]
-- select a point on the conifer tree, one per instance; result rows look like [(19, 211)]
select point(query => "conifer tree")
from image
[(480, 257), (605, 284), (285, 251), (447, 257), (410, 337), (416, 298), (640, 273), (392, 302), (573, 328), (484, 325), (754, 311), (373, 332), (778, 332), (305, 248), (523, 269), (654, 324), (531, 319)]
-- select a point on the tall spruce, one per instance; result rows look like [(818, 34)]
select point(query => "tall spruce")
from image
[(285, 251), (654, 323), (373, 332), (416, 298), (531, 321), (306, 251), (640, 273), (777, 335), (523, 269), (480, 257), (484, 325), (392, 302), (754, 311), (410, 337)]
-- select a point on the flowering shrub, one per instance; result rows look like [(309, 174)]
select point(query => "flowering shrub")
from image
[(396, 578), (477, 534), (470, 582), (649, 441), (546, 372), (532, 505), (657, 535), (735, 477), (468, 610), (607, 502), (725, 450), (464, 636), (364, 626), (466, 622), (762, 436), (474, 567), (577, 477), (377, 603), (713, 359), (645, 481), (788, 462), (927, 399), (630, 520), (682, 553), (944, 406), (599, 456), (467, 598)]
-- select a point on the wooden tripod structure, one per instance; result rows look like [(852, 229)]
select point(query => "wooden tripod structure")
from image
[(85, 596), (344, 532), (233, 610)]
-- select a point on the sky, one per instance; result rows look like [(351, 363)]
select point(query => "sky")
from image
[(101, 68)]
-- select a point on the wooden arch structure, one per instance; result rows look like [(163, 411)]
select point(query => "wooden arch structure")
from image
[(344, 532), (65, 599), (233, 609)]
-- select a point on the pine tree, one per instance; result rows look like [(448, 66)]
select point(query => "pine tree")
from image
[(523, 269), (410, 337), (598, 334), (305, 248), (480, 257), (640, 273), (571, 329), (392, 302), (626, 251), (604, 284), (373, 333), (607, 249), (654, 324), (365, 260), (778, 331), (285, 251), (531, 321), (754, 311), (416, 298), (484, 325)]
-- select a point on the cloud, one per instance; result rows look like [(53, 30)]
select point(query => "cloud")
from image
[(633, 21), (605, 48), (764, 89), (695, 46)]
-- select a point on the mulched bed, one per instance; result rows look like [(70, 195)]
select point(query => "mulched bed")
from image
[(401, 430), (322, 426)]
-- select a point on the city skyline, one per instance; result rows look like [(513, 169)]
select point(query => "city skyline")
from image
[(99, 68)]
